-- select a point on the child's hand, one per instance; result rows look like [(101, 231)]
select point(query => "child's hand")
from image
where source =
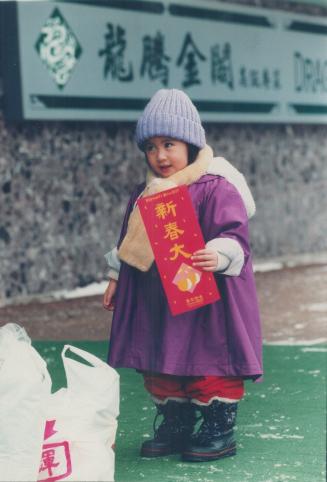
[(108, 298), (206, 259)]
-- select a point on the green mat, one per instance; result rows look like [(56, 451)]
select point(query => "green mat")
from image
[(281, 422)]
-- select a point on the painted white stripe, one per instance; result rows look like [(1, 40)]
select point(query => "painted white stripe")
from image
[(322, 350), (292, 341)]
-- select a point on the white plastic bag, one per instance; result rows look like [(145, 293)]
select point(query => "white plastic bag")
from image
[(25, 386), (81, 423)]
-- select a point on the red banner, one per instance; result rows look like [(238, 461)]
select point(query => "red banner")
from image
[(175, 234)]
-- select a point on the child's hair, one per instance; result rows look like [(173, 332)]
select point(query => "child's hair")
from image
[(193, 152)]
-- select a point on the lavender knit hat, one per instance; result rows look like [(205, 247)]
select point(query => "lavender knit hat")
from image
[(171, 113)]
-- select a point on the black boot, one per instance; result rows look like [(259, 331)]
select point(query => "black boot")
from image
[(174, 432), (215, 437)]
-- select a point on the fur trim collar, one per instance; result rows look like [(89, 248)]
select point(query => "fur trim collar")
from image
[(221, 167)]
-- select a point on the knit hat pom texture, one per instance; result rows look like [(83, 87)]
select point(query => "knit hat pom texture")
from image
[(171, 113)]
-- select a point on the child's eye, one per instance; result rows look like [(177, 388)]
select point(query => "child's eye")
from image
[(149, 148), (168, 144)]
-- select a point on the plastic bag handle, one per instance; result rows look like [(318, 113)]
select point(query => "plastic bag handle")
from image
[(92, 359)]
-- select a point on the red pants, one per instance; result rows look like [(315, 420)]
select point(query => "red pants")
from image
[(201, 390)]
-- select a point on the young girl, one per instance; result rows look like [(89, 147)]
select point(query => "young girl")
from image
[(196, 361)]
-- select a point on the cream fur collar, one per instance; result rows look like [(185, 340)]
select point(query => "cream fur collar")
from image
[(219, 166)]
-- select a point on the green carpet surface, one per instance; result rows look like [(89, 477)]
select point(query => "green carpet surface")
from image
[(280, 427)]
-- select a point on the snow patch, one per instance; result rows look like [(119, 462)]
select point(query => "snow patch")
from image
[(292, 261), (315, 373), (299, 326), (93, 289), (277, 436), (253, 425), (316, 307), (264, 266)]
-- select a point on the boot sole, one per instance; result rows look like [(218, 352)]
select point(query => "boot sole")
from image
[(151, 453), (207, 456)]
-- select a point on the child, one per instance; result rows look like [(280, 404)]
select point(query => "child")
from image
[(196, 361)]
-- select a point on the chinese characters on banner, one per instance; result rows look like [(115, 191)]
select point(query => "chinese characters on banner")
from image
[(175, 234)]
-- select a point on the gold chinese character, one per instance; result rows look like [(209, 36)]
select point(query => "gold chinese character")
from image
[(163, 209), (177, 249), (172, 231)]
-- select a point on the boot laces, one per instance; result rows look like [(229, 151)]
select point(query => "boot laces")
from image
[(162, 428), (218, 419), (176, 421)]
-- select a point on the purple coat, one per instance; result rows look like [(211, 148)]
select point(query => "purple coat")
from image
[(223, 338)]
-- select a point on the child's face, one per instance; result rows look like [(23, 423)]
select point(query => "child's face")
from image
[(166, 155)]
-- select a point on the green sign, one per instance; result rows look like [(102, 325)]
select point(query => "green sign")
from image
[(95, 60)]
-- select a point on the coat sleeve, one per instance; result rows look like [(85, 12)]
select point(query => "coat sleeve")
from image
[(112, 258), (224, 222)]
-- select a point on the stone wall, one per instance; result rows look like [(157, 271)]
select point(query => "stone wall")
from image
[(63, 192), (64, 187)]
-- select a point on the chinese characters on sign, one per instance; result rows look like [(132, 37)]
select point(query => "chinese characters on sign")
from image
[(175, 234), (154, 59), (189, 57), (156, 63), (113, 53)]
